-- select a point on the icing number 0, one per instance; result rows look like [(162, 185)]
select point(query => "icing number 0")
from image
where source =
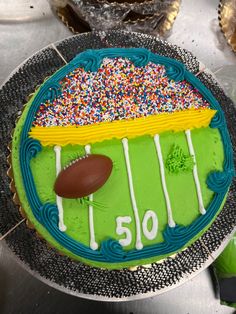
[(149, 234)]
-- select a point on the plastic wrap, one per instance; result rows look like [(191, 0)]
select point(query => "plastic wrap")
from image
[(150, 16)]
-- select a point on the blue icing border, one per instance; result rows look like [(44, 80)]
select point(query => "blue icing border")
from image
[(111, 251)]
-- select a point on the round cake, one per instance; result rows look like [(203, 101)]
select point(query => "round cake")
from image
[(122, 158)]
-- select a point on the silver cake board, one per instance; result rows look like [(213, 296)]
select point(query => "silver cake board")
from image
[(60, 271)]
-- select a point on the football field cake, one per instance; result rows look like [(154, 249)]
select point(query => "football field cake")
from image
[(122, 158)]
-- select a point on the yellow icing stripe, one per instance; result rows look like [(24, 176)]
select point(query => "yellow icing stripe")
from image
[(151, 125)]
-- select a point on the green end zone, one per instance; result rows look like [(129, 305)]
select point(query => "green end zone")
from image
[(113, 198)]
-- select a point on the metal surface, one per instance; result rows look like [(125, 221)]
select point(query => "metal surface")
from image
[(21, 293), (194, 297)]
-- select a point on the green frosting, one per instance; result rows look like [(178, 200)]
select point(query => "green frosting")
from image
[(177, 161), (232, 304), (113, 199), (225, 264)]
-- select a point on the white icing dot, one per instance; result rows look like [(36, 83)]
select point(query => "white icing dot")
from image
[(87, 149), (202, 210), (94, 246), (139, 245), (124, 141), (171, 223), (57, 148), (62, 227)]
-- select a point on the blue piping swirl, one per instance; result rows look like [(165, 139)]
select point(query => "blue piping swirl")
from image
[(217, 181), (54, 90), (111, 251)]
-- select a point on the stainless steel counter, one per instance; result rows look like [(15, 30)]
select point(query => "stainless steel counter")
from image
[(26, 27)]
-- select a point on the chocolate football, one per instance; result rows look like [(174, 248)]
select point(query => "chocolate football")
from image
[(83, 176)]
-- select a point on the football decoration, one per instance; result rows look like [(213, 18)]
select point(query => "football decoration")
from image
[(83, 176)]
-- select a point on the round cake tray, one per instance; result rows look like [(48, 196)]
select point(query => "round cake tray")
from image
[(59, 271)]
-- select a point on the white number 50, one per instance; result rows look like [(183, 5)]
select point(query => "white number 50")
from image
[(149, 234)]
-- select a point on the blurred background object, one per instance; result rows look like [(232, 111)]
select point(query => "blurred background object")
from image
[(146, 16), (226, 76), (225, 270), (227, 17)]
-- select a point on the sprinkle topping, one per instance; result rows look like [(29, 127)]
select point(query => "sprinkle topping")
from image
[(118, 90)]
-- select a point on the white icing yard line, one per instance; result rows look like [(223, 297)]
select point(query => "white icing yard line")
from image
[(195, 173), (61, 225), (58, 52), (171, 222), (139, 244), (93, 243), (12, 229)]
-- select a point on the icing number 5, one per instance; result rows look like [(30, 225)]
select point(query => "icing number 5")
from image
[(149, 234)]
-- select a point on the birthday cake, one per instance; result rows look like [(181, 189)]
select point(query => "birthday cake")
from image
[(122, 158)]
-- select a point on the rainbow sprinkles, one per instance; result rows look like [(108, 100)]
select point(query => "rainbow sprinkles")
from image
[(138, 100)]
